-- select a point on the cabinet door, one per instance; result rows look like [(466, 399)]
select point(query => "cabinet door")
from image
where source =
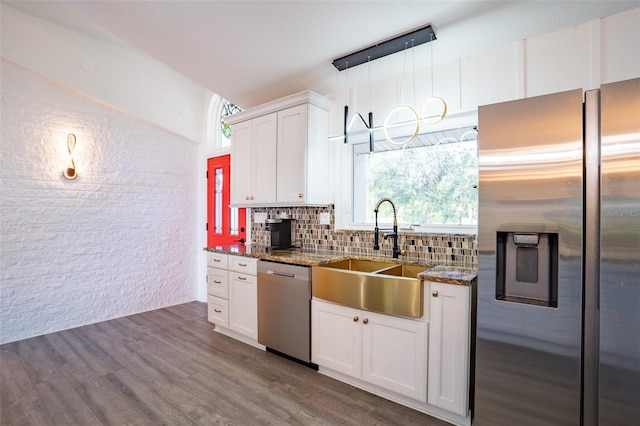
[(394, 354), (243, 304), (253, 161), (264, 159), (241, 158), (450, 322), (292, 155), (336, 338)]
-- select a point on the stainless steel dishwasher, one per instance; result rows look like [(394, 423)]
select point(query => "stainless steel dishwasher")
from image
[(284, 309)]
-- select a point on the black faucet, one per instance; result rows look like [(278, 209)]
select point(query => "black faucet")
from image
[(376, 246)]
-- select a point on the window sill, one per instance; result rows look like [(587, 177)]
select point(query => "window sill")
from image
[(468, 230)]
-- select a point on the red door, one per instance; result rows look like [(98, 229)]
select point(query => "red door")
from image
[(225, 225)]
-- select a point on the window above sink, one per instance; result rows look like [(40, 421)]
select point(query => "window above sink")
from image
[(432, 180)]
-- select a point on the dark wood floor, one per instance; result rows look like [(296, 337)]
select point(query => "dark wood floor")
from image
[(167, 367)]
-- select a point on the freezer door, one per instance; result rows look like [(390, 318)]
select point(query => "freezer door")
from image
[(619, 386), (529, 310)]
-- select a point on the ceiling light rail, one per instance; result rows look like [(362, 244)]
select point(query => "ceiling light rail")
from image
[(385, 48)]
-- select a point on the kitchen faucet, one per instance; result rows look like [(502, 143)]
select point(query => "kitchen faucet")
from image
[(376, 246)]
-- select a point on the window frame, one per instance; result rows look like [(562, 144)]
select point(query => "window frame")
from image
[(344, 205)]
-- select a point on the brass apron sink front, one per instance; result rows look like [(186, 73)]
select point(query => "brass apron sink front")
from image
[(377, 286)]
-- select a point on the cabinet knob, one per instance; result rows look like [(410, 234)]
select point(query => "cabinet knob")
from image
[(355, 319), (300, 195), (365, 321), (246, 197), (435, 293), (217, 310)]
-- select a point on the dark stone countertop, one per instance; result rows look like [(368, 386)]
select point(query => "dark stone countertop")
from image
[(449, 273)]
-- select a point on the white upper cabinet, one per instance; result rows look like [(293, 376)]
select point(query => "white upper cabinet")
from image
[(253, 174), (280, 153)]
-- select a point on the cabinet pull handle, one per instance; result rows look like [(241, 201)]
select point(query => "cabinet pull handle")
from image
[(365, 321), (355, 319), (217, 282), (217, 311), (435, 293), (242, 264), (216, 260), (242, 278)]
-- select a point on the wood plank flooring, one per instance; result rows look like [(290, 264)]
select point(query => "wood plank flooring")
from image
[(167, 367)]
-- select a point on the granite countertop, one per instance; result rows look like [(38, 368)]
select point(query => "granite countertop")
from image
[(449, 273)]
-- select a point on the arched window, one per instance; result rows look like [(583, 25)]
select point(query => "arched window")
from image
[(219, 131)]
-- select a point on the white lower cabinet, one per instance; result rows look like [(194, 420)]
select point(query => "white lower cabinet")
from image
[(243, 304), (218, 311), (232, 296), (383, 350), (450, 342)]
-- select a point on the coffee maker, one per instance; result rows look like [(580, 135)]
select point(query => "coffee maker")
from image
[(280, 233)]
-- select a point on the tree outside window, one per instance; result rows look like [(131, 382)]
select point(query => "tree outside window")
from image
[(430, 185)]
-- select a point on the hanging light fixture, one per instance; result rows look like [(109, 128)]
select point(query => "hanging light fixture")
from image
[(434, 103), (406, 109), (379, 50), (348, 123)]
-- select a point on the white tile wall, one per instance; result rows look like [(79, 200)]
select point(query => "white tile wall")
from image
[(118, 240)]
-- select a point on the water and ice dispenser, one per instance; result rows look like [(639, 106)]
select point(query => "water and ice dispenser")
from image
[(527, 268)]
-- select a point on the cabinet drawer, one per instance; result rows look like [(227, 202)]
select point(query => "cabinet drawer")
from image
[(218, 282), (240, 277), (217, 260), (218, 311), (246, 265)]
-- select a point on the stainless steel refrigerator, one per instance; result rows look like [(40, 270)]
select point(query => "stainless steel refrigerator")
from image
[(558, 309)]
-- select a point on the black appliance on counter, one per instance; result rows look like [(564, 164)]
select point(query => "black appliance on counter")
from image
[(280, 233)]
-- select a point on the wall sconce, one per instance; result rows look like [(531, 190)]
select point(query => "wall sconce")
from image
[(70, 169)]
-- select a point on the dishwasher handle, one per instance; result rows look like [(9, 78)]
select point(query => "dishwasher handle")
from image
[(280, 274)]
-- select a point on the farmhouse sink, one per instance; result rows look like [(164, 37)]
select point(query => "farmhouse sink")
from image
[(378, 286), (360, 265)]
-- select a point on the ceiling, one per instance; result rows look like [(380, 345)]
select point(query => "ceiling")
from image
[(251, 52)]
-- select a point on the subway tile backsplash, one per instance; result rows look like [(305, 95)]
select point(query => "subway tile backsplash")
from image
[(308, 233)]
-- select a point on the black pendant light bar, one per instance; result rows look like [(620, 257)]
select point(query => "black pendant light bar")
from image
[(394, 45)]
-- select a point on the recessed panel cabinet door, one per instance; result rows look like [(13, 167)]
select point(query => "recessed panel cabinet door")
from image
[(292, 154), (449, 343), (241, 158), (243, 300), (253, 161), (394, 354), (336, 338)]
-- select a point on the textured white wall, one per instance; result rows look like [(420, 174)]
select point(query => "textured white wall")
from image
[(119, 239)]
